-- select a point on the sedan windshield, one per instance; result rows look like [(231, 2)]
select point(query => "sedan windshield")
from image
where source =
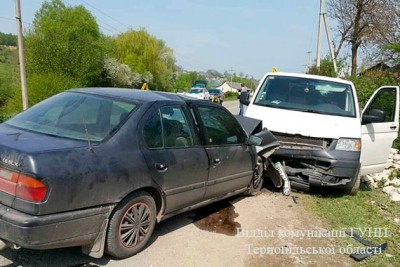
[(74, 115), (214, 91), (307, 95)]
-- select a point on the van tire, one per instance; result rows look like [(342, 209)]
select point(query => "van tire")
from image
[(354, 189)]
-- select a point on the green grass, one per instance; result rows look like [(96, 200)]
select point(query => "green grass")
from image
[(9, 75), (231, 98), (370, 208)]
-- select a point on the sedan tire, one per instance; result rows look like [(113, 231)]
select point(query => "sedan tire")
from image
[(258, 177), (131, 225)]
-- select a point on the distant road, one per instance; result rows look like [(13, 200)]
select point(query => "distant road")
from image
[(233, 106)]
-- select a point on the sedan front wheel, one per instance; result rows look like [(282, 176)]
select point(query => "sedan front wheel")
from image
[(258, 177), (131, 225)]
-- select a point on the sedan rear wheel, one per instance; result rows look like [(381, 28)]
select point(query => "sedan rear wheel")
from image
[(131, 225)]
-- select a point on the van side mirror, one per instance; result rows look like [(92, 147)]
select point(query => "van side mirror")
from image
[(375, 115), (244, 98)]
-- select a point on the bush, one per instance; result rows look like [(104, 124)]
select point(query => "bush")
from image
[(40, 87), (368, 82), (394, 174), (231, 94), (3, 117)]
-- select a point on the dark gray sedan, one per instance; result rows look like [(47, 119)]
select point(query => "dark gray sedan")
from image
[(98, 168)]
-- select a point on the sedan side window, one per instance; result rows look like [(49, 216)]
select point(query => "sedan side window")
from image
[(176, 129), (153, 131), (168, 128), (220, 128)]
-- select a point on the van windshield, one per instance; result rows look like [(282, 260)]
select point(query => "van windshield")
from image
[(307, 95)]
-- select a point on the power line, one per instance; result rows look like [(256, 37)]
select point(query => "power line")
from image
[(104, 13), (12, 19), (312, 29), (113, 29)]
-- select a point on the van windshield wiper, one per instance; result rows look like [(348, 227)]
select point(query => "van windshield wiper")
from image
[(316, 111)]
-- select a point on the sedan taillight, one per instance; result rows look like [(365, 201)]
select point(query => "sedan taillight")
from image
[(22, 186)]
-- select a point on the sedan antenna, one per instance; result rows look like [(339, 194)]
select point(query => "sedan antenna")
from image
[(86, 130)]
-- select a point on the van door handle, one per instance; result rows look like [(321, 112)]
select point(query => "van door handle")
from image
[(393, 127), (161, 167)]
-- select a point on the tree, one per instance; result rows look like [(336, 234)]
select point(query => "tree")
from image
[(355, 19), (367, 83), (8, 39), (326, 68), (387, 38), (65, 41), (9, 75), (185, 80), (120, 75), (146, 54)]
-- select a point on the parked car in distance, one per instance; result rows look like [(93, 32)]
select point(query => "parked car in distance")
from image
[(98, 167), (180, 91), (325, 139), (200, 93), (217, 93)]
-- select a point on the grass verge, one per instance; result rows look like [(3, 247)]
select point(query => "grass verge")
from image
[(371, 208)]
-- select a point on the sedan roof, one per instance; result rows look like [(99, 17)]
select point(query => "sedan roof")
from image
[(133, 94)]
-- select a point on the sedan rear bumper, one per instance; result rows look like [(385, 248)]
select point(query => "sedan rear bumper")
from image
[(74, 228)]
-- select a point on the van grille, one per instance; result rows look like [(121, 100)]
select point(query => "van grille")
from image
[(299, 139)]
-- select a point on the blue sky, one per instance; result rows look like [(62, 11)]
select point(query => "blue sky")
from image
[(249, 36)]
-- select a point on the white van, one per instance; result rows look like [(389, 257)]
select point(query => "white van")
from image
[(325, 140)]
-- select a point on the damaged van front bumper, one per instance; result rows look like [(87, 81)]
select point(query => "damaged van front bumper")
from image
[(312, 165)]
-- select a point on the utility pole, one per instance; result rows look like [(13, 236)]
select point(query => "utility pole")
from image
[(21, 55), (324, 19), (308, 64), (319, 36), (328, 36), (231, 77)]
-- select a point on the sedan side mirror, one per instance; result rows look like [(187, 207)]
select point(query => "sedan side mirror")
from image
[(375, 115), (254, 140)]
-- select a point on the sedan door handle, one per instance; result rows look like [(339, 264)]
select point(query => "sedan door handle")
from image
[(393, 127), (216, 161), (161, 167)]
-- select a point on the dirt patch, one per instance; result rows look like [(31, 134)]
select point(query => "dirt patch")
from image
[(284, 222), (217, 218)]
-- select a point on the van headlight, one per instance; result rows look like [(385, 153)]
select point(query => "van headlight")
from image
[(347, 144)]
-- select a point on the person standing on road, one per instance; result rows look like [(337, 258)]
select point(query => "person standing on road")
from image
[(242, 95)]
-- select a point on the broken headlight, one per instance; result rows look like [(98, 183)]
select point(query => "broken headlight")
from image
[(347, 144)]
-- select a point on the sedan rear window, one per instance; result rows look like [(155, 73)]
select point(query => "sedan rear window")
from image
[(74, 115)]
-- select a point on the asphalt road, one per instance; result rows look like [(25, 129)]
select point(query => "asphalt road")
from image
[(233, 106)]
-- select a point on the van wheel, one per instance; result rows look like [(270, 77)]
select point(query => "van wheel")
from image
[(258, 177), (131, 225), (356, 186)]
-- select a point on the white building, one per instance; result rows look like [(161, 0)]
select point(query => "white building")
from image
[(231, 87)]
